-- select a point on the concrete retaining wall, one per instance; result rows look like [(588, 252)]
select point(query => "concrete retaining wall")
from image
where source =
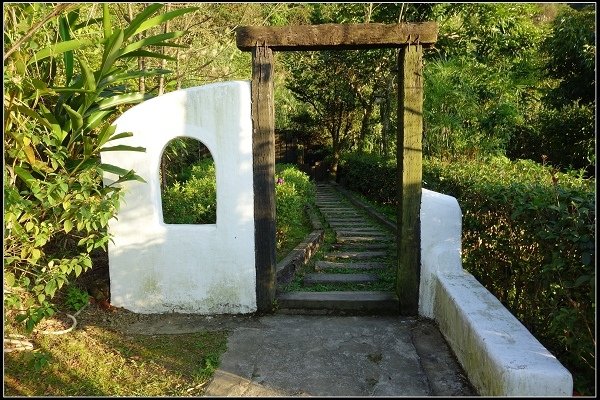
[(499, 355)]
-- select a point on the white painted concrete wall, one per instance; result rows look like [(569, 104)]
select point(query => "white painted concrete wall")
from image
[(204, 269), (499, 355)]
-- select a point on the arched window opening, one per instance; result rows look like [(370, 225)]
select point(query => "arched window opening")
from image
[(188, 183)]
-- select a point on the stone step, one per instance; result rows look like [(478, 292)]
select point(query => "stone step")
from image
[(341, 302), (355, 254), (313, 279), (362, 246), (363, 239), (365, 232), (320, 265)]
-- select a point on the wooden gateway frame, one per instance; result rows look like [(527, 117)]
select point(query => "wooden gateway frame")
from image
[(410, 38)]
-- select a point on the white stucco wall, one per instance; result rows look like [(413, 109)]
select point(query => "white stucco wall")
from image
[(499, 355), (441, 229), (204, 269)]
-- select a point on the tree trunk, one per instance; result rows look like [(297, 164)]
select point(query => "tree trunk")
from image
[(141, 66), (364, 127)]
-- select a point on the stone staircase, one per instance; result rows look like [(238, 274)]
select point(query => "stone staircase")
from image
[(355, 274)]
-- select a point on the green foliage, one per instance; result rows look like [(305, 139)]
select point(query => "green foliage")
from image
[(568, 136), (76, 298), (293, 191), (571, 51), (59, 103), (370, 175), (193, 201)]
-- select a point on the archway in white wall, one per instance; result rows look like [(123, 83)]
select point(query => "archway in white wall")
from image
[(188, 183)]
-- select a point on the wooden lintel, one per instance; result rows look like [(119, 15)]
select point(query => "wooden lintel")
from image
[(336, 36)]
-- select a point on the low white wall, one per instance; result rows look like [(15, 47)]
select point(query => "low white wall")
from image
[(499, 355), (205, 269)]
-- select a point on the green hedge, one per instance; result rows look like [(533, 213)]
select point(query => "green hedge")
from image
[(528, 237)]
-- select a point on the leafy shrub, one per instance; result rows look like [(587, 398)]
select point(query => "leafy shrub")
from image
[(59, 104), (76, 298), (553, 131), (193, 201), (293, 190), (369, 174), (528, 237)]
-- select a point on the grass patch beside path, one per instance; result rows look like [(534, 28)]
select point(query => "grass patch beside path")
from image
[(98, 361)]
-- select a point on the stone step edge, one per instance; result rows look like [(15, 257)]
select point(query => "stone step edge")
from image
[(329, 278), (338, 301), (300, 255)]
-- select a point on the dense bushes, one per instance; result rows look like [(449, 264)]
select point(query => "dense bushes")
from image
[(59, 103), (528, 237), (194, 201), (293, 190)]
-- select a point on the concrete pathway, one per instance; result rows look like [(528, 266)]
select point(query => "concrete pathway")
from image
[(366, 356)]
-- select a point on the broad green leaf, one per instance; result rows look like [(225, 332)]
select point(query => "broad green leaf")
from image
[(78, 269), (105, 134), (88, 75), (50, 287), (106, 24), (9, 279), (110, 79), (160, 19), (113, 169), (123, 147), (71, 90), (87, 23), (123, 173), (59, 48), (152, 40), (63, 29), (76, 118), (129, 98), (96, 118), (120, 135), (111, 51), (24, 175), (59, 133), (140, 19), (130, 176)]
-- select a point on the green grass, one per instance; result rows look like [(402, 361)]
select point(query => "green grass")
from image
[(95, 361)]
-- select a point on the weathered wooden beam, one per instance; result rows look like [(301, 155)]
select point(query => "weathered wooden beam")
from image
[(410, 172), (336, 36), (263, 147)]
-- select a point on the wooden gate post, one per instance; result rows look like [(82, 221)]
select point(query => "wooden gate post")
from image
[(410, 172), (263, 147)]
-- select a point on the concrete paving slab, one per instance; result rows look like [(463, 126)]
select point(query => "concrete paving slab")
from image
[(297, 355)]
